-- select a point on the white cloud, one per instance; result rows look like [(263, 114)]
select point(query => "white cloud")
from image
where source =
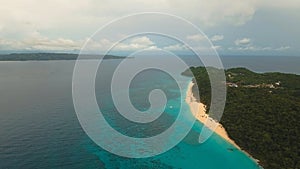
[(137, 43), (216, 38), (244, 41), (39, 42), (197, 37), (217, 47), (176, 47), (144, 40), (258, 48), (245, 44), (282, 48)]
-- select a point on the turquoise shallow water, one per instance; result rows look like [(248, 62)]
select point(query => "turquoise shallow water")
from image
[(39, 128)]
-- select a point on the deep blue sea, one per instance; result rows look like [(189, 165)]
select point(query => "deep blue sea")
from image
[(39, 127)]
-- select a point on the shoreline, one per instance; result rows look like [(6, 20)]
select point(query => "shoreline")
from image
[(198, 110)]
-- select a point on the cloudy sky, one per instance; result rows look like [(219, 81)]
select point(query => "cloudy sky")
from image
[(249, 27)]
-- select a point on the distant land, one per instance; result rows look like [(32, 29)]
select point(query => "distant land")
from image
[(51, 56), (262, 113)]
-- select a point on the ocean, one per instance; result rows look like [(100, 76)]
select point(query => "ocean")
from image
[(39, 127)]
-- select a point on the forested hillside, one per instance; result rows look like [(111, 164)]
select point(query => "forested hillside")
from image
[(262, 113)]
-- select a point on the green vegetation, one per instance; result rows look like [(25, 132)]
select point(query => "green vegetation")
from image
[(50, 56), (262, 114)]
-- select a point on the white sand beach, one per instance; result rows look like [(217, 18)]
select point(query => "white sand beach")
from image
[(199, 112)]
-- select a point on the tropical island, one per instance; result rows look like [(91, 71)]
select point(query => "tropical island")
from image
[(261, 115), (52, 56)]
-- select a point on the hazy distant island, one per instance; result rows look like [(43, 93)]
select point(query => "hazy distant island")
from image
[(51, 56), (261, 115)]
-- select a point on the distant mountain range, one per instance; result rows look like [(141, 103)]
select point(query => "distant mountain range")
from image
[(52, 56)]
